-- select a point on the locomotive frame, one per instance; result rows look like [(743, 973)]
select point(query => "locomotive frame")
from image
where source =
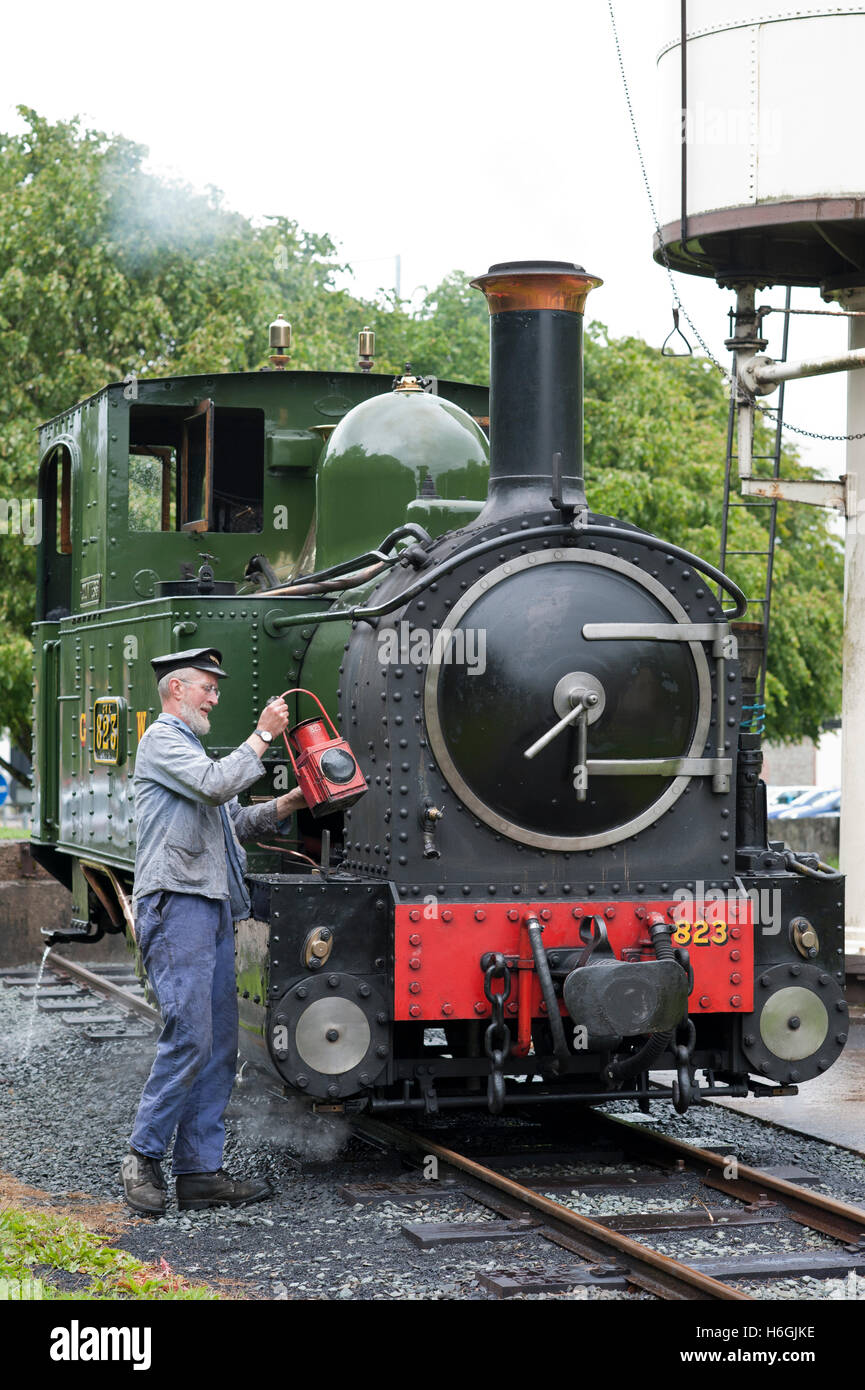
[(490, 924)]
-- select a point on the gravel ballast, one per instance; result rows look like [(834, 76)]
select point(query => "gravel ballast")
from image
[(66, 1110)]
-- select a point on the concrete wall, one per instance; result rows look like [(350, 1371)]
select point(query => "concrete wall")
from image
[(790, 764), (819, 834), (804, 764), (31, 899)]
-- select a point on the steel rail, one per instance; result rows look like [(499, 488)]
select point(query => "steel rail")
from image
[(800, 1198), (107, 988), (680, 1282)]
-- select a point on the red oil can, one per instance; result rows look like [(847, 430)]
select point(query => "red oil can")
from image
[(327, 771)]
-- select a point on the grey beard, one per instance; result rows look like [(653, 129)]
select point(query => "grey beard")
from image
[(198, 722)]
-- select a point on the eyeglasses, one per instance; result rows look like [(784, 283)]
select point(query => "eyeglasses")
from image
[(209, 689)]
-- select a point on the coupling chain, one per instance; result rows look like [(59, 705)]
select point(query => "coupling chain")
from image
[(497, 1039)]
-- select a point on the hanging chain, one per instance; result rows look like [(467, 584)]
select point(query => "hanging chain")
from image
[(497, 1039), (734, 385)]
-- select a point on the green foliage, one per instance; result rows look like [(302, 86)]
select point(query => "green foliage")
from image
[(37, 1246), (106, 270), (15, 667), (655, 440), (449, 337)]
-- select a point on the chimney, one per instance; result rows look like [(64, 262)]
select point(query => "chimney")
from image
[(536, 383)]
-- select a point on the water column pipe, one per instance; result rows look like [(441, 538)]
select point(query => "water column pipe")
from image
[(746, 342)]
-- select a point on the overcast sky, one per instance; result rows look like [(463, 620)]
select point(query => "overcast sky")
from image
[(454, 135)]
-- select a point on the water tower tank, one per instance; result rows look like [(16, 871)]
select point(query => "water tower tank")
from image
[(762, 175)]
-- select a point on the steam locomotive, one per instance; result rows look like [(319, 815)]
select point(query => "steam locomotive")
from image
[(558, 881)]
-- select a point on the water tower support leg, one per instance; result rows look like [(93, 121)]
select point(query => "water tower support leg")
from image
[(853, 706)]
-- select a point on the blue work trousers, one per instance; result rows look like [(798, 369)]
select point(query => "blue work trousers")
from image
[(187, 945)]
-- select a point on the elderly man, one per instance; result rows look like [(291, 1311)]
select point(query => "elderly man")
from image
[(189, 888)]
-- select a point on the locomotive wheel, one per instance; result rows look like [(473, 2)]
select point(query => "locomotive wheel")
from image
[(327, 1036), (799, 1024)]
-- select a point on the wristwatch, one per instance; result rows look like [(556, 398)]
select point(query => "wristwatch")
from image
[(263, 735)]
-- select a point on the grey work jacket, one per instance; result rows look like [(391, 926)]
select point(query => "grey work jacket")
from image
[(178, 789)]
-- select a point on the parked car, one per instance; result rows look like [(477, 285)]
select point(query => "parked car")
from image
[(820, 801), (778, 798)]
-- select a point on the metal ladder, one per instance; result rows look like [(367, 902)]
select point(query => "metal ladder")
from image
[(755, 649)]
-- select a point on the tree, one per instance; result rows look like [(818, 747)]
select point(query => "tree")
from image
[(655, 443), (448, 337), (106, 270)]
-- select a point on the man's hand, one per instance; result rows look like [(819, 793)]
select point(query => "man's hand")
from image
[(291, 802), (274, 717)]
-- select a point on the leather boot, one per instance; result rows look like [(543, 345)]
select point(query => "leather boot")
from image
[(198, 1190), (143, 1184)]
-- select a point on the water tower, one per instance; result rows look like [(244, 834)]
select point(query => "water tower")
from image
[(762, 183)]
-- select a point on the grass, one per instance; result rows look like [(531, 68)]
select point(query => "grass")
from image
[(38, 1248), (14, 832)]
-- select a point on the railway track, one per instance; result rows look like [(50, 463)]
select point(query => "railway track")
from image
[(612, 1251), (103, 1001)]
